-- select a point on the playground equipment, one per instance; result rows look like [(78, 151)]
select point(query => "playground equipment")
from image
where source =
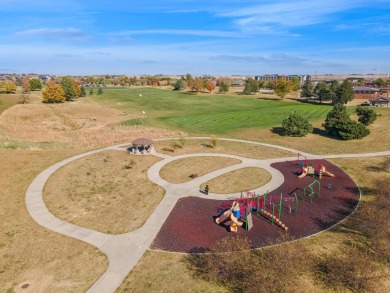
[(230, 214), (317, 170), (249, 203), (310, 188)]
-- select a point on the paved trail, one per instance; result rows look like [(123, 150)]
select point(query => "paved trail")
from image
[(125, 250)]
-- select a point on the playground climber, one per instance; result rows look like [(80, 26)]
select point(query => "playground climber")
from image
[(228, 215)]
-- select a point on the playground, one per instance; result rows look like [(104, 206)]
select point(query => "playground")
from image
[(190, 226), (185, 220)]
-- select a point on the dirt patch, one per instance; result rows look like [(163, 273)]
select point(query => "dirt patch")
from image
[(190, 226), (184, 170), (238, 180), (108, 192)]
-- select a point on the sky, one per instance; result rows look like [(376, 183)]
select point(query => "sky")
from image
[(220, 37)]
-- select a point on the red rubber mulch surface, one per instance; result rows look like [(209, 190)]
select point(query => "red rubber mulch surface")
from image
[(190, 226)]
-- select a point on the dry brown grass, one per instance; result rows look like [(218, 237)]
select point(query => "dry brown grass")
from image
[(80, 124), (165, 272), (193, 146), (179, 171), (29, 253), (239, 180), (108, 192)]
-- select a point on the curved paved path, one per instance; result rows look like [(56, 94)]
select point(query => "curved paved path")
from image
[(125, 250)]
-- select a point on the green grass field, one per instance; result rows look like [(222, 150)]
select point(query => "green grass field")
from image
[(207, 113)]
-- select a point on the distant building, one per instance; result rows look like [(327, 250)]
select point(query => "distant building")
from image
[(363, 92), (275, 77)]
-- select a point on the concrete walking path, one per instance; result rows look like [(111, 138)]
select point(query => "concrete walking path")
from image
[(125, 250)]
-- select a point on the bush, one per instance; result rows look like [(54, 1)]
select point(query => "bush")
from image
[(296, 125), (338, 124), (178, 85), (366, 116), (348, 129)]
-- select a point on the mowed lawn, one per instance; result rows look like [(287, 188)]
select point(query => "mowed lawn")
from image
[(207, 113)]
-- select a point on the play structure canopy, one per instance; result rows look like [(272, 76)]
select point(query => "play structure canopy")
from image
[(142, 142)]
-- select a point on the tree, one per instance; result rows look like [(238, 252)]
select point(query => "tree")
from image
[(196, 85), (188, 79), (323, 92), (10, 86), (307, 89), (53, 93), (90, 91), (178, 85), (76, 87), (35, 84), (380, 82), (282, 87), (100, 91), (251, 86), (339, 124), (26, 87), (344, 93), (224, 86), (69, 89), (348, 129), (334, 88), (210, 85), (296, 125), (339, 112), (366, 116), (296, 83), (83, 93)]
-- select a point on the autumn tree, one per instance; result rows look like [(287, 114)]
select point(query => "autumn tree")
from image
[(210, 85), (76, 87), (26, 87), (10, 86), (196, 85), (35, 84), (282, 87), (69, 89), (53, 93)]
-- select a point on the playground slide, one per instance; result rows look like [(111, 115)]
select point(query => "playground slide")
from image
[(235, 220), (327, 173), (304, 173)]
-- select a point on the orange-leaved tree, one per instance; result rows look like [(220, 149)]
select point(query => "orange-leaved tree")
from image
[(53, 93), (210, 85)]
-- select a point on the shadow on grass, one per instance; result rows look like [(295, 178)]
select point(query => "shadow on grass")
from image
[(373, 168), (324, 133), (278, 130)]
